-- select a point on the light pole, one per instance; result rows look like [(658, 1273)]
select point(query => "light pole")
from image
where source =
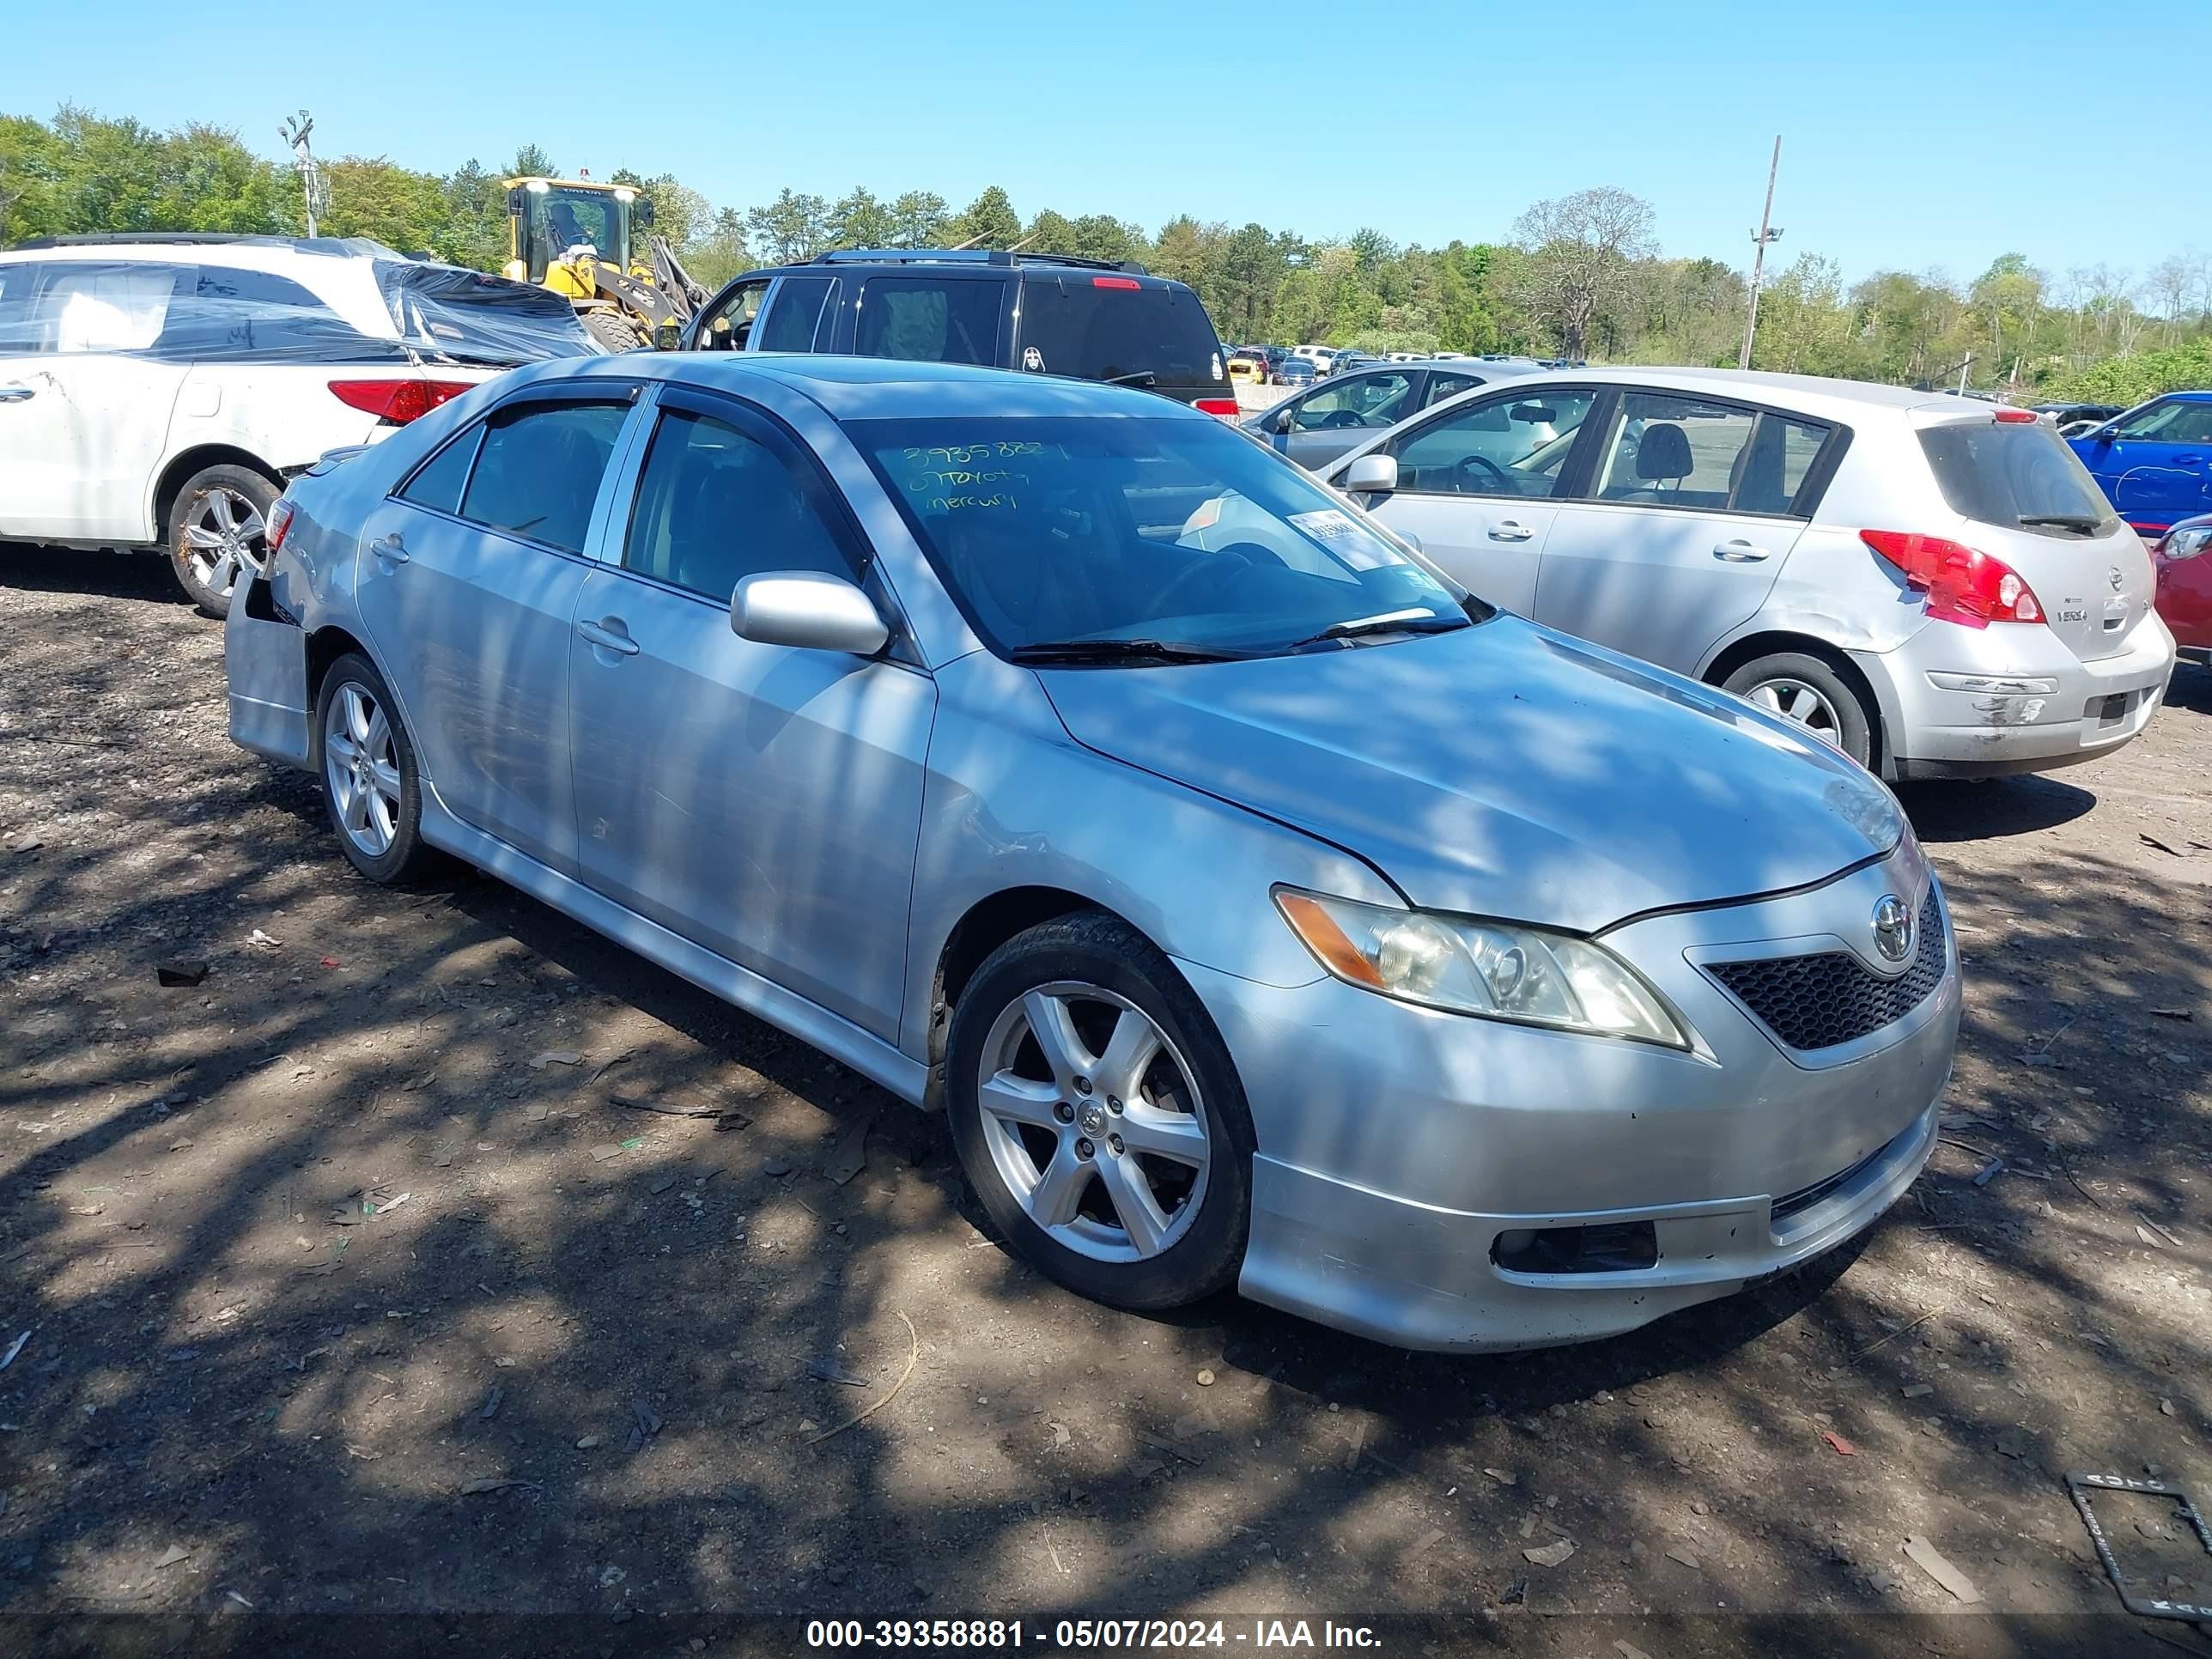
[(314, 192), (1759, 243)]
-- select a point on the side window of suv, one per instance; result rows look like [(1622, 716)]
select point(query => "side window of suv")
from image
[(930, 319), (715, 505), (794, 314), (728, 325), (538, 468)]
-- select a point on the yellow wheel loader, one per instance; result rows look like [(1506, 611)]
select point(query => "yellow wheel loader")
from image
[(573, 236)]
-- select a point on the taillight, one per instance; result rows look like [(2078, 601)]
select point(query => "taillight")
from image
[(397, 401), (1115, 281), (280, 523), (1224, 407), (2017, 416), (1963, 585)]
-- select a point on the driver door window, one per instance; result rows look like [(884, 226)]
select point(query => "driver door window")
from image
[(1514, 444), (2173, 421), (729, 325), (1370, 402)]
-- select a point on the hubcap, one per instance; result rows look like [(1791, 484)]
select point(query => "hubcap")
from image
[(223, 536), (1796, 701), (1094, 1121), (360, 769)]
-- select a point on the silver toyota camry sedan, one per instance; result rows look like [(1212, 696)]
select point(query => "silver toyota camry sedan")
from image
[(1261, 906)]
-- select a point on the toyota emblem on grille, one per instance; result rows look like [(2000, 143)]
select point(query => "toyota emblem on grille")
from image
[(1892, 929)]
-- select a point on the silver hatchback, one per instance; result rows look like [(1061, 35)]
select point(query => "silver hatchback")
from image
[(1932, 584), (1261, 908)]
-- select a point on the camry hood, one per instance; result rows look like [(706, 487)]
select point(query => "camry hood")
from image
[(1500, 770)]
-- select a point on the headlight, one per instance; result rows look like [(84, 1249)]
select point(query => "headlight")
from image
[(1496, 971), (2186, 543)]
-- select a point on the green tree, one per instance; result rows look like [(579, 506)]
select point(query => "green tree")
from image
[(861, 220), (918, 220), (531, 161), (989, 221), (475, 233), (380, 199), (790, 228)]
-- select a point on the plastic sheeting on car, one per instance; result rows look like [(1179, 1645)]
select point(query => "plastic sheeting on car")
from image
[(350, 301)]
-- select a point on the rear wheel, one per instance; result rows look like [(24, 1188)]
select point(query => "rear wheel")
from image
[(1809, 693), (218, 533), (614, 331), (1099, 1117), (370, 778)]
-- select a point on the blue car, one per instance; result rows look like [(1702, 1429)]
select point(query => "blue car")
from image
[(2155, 462)]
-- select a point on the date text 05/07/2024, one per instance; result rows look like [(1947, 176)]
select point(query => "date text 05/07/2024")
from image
[(1084, 1634)]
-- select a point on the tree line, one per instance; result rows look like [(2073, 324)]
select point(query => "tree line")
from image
[(1579, 276)]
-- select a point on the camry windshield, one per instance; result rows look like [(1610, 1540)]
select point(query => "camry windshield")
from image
[(1121, 540)]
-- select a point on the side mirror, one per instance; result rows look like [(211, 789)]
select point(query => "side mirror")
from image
[(1286, 419), (1371, 475), (2106, 435), (642, 212), (807, 609), (517, 202)]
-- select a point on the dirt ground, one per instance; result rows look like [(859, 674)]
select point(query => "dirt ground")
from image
[(350, 1289)]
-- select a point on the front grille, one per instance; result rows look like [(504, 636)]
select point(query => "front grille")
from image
[(1817, 1002)]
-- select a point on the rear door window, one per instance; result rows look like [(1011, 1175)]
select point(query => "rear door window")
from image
[(1104, 326), (538, 470), (930, 319), (67, 306), (794, 314), (2015, 475)]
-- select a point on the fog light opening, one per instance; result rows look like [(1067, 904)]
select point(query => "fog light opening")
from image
[(1622, 1246)]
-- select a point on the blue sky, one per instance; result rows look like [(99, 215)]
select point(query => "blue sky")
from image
[(1935, 134)]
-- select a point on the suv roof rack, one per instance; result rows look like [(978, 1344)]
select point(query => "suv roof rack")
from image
[(202, 238), (974, 256)]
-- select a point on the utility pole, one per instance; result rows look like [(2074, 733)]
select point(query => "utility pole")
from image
[(1963, 370), (1758, 254), (313, 188)]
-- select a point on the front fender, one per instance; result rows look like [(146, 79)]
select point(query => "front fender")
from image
[(1011, 801)]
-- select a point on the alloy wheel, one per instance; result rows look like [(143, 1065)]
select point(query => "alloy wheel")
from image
[(361, 768), (1094, 1121), (1802, 705), (224, 535)]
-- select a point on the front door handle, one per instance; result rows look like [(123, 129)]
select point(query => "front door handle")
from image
[(609, 635), (1739, 551), (388, 551), (18, 394), (2189, 460), (1510, 529)]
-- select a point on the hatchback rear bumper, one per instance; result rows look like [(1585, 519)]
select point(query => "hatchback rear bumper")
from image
[(2065, 710)]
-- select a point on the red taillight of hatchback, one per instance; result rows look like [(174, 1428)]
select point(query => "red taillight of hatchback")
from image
[(280, 524), (1963, 585), (1224, 407), (397, 401)]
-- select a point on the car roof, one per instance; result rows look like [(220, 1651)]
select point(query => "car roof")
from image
[(877, 388), (185, 248), (1813, 394)]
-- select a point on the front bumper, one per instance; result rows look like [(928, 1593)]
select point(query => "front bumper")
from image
[(2094, 707), (1396, 1144)]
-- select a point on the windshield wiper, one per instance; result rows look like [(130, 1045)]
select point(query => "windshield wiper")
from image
[(1390, 622), (1071, 652), (1143, 377), (2063, 521)]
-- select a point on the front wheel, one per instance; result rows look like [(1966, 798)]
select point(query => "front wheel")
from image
[(218, 533), (1808, 693), (1099, 1117), (613, 331)]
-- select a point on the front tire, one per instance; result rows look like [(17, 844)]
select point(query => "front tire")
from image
[(613, 331), (1809, 693), (218, 533), (371, 782), (1099, 1116)]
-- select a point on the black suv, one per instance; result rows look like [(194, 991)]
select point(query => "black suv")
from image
[(1040, 314)]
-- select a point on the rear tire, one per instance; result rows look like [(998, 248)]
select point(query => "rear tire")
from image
[(217, 530), (1809, 694), (371, 782), (1114, 1154), (614, 331)]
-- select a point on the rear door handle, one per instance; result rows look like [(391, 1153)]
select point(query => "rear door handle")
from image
[(1510, 529), (1739, 551), (388, 551), (608, 636), (18, 394)]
